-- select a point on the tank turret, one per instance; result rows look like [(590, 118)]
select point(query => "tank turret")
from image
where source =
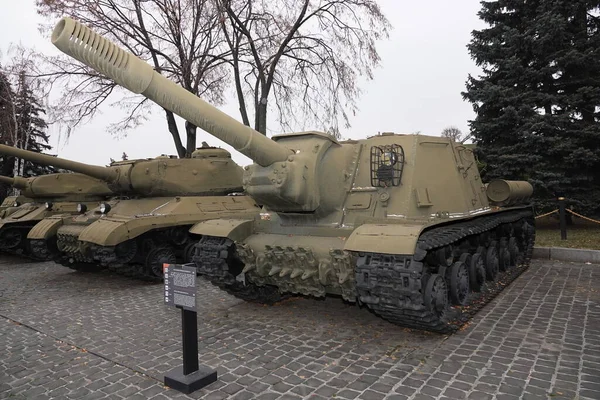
[(208, 171), (60, 186)]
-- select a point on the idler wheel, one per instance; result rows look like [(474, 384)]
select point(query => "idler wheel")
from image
[(491, 262), (126, 251), (503, 256), (436, 295), (459, 283), (156, 258), (178, 236), (11, 238)]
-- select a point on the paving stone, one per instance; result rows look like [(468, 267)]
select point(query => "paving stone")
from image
[(421, 396), (595, 386), (590, 394), (258, 387), (454, 393), (406, 390), (326, 391), (269, 396), (244, 395), (232, 388), (302, 390), (528, 342), (431, 390), (372, 395), (347, 394), (475, 395)]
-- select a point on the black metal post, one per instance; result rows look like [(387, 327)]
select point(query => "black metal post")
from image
[(189, 335), (562, 217), (181, 293)]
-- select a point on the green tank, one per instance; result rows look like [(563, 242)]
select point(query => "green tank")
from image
[(47, 195), (12, 202), (401, 224), (146, 224)]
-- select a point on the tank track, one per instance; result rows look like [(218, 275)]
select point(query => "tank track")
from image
[(21, 247), (136, 270), (105, 260), (130, 260), (40, 249), (216, 261), (395, 287)]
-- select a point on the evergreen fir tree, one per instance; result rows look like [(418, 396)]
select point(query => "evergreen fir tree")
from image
[(21, 125), (537, 101)]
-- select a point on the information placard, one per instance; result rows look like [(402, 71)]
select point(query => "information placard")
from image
[(180, 292), (180, 286)]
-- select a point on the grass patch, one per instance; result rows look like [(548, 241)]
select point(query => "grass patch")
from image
[(580, 235)]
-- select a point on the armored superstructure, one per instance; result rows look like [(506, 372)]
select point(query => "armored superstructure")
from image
[(400, 223)]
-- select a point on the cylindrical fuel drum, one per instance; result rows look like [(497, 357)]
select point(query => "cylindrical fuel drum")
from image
[(501, 192)]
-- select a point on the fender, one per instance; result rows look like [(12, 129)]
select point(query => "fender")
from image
[(385, 238), (105, 232), (46, 228), (26, 213), (235, 229)]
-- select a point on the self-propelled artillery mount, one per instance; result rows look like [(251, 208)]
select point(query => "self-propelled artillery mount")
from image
[(400, 223)]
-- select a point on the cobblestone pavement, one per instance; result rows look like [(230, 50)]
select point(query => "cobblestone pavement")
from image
[(70, 335)]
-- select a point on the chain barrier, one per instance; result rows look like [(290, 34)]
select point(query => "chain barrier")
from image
[(545, 215), (572, 212), (582, 216)]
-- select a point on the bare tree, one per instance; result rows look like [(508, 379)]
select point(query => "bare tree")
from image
[(8, 114), (182, 39), (12, 84), (306, 54), (455, 134)]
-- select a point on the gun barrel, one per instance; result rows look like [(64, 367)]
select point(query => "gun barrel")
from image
[(44, 159), (97, 52), (7, 180)]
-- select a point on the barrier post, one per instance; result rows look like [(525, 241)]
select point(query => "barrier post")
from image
[(562, 217)]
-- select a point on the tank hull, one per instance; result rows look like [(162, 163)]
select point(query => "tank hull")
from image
[(123, 239), (15, 228), (463, 262), (12, 204)]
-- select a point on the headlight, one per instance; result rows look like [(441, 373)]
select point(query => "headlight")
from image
[(16, 204), (81, 208), (49, 205), (104, 208)]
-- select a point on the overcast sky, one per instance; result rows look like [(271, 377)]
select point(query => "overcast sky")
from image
[(424, 67)]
